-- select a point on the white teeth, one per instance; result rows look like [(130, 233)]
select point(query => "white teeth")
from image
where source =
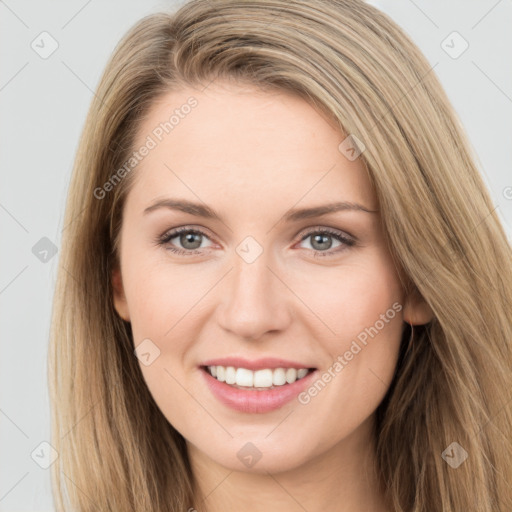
[(230, 375), (301, 373), (244, 377), (221, 373), (267, 378), (262, 378), (291, 375), (279, 377)]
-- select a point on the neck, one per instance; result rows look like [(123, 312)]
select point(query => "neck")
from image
[(342, 478)]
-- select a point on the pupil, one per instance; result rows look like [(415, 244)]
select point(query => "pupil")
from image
[(188, 238), (322, 239), (319, 241)]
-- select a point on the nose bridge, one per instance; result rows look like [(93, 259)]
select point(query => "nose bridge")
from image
[(255, 300), (252, 279)]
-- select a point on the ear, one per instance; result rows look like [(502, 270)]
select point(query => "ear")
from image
[(120, 303), (416, 309)]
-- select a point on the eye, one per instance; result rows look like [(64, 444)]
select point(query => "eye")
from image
[(321, 241), (190, 239)]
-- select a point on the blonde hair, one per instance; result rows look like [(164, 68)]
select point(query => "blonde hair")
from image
[(117, 451)]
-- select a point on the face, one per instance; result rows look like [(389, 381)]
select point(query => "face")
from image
[(252, 277)]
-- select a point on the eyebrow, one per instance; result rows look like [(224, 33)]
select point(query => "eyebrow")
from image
[(293, 215)]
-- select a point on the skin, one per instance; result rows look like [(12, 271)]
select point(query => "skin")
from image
[(251, 156)]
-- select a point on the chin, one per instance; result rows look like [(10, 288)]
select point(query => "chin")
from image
[(257, 455)]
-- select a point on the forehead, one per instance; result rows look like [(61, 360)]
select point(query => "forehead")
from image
[(236, 144)]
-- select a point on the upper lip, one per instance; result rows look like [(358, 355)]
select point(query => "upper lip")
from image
[(255, 364)]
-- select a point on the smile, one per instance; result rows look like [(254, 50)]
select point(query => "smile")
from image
[(262, 395), (266, 378)]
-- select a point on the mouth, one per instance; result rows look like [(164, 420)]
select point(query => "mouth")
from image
[(270, 389), (257, 380)]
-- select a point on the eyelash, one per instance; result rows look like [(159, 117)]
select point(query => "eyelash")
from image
[(164, 240)]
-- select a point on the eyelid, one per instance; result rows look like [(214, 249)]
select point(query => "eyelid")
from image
[(200, 229), (346, 239), (174, 232), (326, 229)]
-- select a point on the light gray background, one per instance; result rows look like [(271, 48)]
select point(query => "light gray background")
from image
[(43, 106)]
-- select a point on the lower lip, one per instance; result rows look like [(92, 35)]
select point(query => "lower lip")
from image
[(252, 400)]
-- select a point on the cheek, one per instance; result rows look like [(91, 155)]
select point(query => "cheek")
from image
[(362, 308), (353, 296), (172, 306), (163, 306), (158, 297)]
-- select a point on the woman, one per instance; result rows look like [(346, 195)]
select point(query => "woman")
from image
[(338, 335)]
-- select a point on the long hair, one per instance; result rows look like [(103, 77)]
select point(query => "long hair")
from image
[(117, 452)]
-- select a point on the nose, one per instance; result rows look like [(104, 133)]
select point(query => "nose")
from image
[(256, 301)]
